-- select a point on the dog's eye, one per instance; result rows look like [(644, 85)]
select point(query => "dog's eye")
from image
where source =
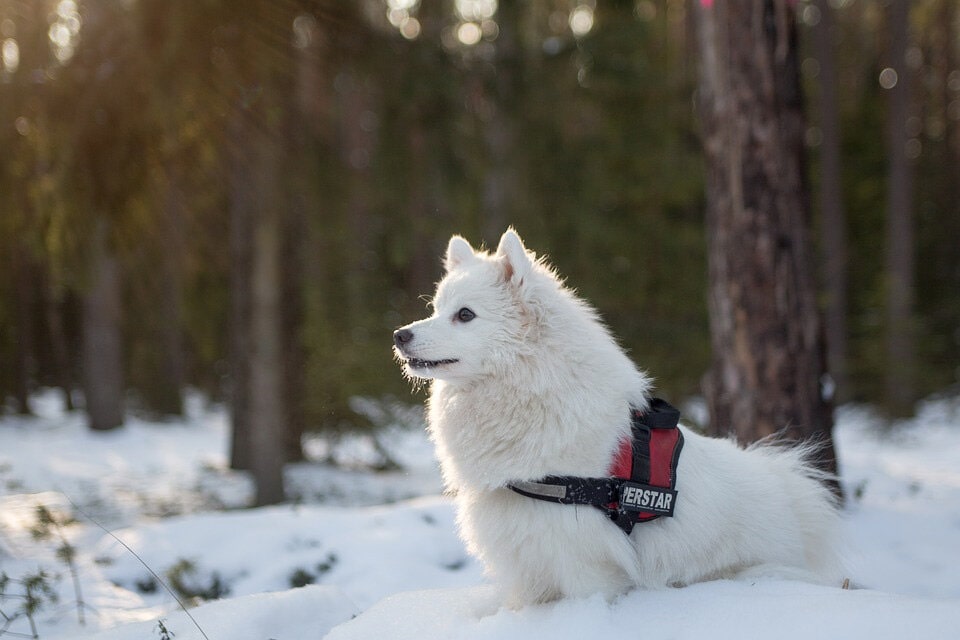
[(465, 315)]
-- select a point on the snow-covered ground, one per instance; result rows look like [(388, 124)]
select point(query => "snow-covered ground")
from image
[(379, 552)]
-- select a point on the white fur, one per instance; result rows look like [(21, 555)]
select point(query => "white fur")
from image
[(540, 387)]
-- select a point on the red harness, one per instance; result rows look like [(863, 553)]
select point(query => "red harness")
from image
[(643, 475)]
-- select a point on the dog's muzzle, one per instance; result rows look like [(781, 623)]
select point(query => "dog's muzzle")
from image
[(402, 339)]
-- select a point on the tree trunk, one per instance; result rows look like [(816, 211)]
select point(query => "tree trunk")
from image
[(257, 389), (241, 225), (164, 395), (833, 220), (102, 336), (256, 165), (24, 284), (768, 347), (266, 353), (900, 369), (62, 362), (292, 312)]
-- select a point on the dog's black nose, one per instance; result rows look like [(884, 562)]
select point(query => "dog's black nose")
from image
[(402, 337)]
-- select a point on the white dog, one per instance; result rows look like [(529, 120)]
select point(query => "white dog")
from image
[(528, 384)]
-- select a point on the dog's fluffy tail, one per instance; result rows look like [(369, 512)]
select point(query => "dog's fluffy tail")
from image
[(815, 503)]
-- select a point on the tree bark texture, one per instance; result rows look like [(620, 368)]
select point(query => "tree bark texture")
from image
[(767, 340)]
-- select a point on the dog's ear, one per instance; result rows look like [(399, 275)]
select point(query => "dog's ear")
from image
[(459, 251), (517, 262)]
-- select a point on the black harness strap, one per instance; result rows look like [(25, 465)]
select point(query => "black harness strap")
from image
[(660, 415), (641, 452), (625, 500), (571, 490)]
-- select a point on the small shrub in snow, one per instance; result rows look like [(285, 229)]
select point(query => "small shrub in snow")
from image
[(301, 578), (182, 578), (51, 526), (328, 564), (163, 632), (24, 598), (146, 585)]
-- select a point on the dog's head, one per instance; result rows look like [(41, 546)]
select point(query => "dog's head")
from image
[(483, 314)]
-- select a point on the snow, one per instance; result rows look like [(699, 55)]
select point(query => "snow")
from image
[(723, 609), (381, 550), (905, 527), (285, 615)]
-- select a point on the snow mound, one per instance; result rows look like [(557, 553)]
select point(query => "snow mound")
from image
[(297, 614), (369, 552), (717, 610)]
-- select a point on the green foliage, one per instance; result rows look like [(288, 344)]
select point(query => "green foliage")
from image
[(162, 632), (24, 598), (30, 593), (185, 580), (301, 577), (386, 147), (52, 526), (936, 197)]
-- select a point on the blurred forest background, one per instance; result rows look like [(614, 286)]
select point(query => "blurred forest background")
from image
[(180, 178)]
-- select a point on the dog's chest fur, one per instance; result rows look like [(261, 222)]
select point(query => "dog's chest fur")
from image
[(487, 437)]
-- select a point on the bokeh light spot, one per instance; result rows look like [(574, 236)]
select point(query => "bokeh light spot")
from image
[(888, 78)]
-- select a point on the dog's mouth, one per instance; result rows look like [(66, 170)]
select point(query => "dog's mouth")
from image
[(417, 363)]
